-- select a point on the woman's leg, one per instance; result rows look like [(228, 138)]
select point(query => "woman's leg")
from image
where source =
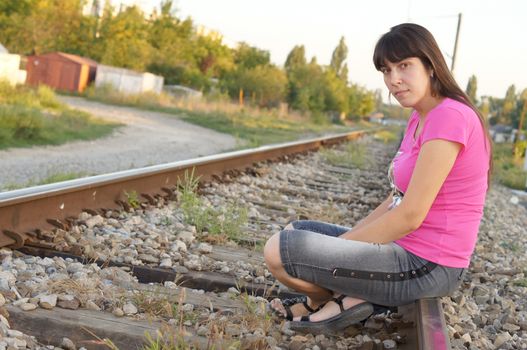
[(316, 295)]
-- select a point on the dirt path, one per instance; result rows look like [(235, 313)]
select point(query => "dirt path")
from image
[(148, 138)]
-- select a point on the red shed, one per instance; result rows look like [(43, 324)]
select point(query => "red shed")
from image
[(61, 71)]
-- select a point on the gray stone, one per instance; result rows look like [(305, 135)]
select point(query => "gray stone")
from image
[(129, 309), (501, 339), (27, 306), (186, 237), (94, 221), (67, 344), (48, 301), (389, 344), (205, 248)]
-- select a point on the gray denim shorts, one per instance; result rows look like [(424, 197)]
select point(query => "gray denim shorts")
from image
[(384, 274)]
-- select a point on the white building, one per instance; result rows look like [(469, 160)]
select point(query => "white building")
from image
[(128, 81), (10, 67)]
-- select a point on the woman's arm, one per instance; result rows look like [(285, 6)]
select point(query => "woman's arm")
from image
[(376, 213), (433, 165)]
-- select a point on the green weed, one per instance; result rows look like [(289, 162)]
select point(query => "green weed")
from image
[(353, 155), (227, 221), (507, 169), (132, 198)]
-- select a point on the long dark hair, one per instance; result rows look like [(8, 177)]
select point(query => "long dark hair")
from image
[(412, 40)]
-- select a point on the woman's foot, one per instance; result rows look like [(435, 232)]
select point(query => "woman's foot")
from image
[(337, 314), (330, 309), (295, 307)]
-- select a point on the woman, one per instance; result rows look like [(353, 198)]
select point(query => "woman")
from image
[(416, 243)]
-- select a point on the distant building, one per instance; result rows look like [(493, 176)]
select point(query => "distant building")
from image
[(376, 117), (502, 133), (183, 92), (61, 71), (10, 67), (128, 81)]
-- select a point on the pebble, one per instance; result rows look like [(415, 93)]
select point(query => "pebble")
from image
[(48, 301), (67, 344), (27, 306), (90, 305), (129, 309), (205, 248), (202, 331), (118, 312)]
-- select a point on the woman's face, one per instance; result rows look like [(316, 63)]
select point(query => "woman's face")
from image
[(408, 81)]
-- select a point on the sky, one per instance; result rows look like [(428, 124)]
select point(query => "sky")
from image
[(491, 44)]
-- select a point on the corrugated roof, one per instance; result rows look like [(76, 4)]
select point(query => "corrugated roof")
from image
[(78, 59)]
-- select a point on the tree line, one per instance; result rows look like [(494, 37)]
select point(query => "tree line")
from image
[(178, 50), (505, 111)]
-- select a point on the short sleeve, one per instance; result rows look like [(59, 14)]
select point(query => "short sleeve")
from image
[(446, 124)]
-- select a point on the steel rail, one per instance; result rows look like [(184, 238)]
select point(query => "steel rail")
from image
[(22, 211), (431, 325)]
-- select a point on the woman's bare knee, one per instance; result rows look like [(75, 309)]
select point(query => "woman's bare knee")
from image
[(272, 252), (289, 226)]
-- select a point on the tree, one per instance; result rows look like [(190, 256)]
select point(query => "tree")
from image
[(171, 38), (338, 59), (509, 103), (519, 111), (305, 90), (361, 101), (335, 93), (266, 84), (247, 56), (126, 40), (296, 58), (472, 87), (34, 27)]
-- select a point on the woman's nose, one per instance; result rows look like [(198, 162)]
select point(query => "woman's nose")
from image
[(395, 77)]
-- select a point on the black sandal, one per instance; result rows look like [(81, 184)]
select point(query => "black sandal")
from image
[(345, 318), (287, 303)]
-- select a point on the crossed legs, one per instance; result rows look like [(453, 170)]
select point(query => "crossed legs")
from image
[(317, 295)]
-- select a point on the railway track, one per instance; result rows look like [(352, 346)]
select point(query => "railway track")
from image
[(133, 227)]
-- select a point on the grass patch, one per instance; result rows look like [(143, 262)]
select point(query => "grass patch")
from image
[(353, 155), (508, 170), (389, 135), (30, 117), (220, 223), (56, 177), (252, 126), (521, 283)]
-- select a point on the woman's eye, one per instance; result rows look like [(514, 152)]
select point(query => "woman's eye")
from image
[(404, 65), (384, 70)]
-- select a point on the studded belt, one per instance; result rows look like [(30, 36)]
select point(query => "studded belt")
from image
[(385, 276)]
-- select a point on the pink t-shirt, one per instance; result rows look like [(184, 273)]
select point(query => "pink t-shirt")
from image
[(449, 232)]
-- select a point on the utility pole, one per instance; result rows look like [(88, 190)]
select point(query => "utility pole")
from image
[(455, 43)]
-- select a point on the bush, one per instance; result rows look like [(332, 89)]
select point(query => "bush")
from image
[(508, 170), (18, 122), (47, 97)]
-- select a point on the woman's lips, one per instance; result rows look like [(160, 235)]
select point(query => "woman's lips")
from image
[(399, 93)]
